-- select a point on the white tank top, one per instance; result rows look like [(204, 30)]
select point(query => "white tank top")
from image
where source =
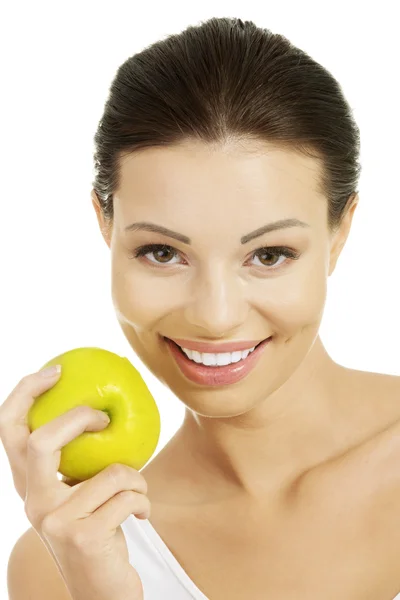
[(161, 574)]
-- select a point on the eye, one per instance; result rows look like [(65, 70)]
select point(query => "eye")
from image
[(275, 251), (271, 251), (152, 249)]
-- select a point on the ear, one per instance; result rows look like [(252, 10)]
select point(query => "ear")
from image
[(342, 233), (106, 230)]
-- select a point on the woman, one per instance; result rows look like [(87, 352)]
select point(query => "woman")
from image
[(226, 184)]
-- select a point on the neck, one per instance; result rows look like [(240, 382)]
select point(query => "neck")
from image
[(265, 450)]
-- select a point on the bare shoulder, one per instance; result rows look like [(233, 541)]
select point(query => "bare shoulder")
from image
[(370, 475), (371, 382), (41, 578), (358, 490), (366, 466), (376, 401)]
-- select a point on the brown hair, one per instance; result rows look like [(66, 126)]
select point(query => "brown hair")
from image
[(225, 80)]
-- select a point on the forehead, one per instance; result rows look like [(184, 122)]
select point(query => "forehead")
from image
[(244, 176)]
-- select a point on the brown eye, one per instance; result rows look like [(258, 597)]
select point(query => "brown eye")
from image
[(270, 256), (265, 255), (164, 253)]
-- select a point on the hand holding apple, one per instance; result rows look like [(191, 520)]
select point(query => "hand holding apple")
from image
[(108, 382), (80, 525)]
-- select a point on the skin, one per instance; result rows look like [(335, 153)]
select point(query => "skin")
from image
[(255, 437)]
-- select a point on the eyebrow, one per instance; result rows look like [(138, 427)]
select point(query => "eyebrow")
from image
[(153, 227)]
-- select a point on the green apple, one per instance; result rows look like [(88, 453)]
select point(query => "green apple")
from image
[(108, 382)]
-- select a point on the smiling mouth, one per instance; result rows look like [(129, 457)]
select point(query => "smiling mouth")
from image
[(213, 374), (182, 352)]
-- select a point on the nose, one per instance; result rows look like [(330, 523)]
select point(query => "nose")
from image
[(218, 305)]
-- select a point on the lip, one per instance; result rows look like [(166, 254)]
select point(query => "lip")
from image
[(216, 348), (214, 376)]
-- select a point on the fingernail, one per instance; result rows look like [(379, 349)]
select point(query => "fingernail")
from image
[(104, 416), (50, 371)]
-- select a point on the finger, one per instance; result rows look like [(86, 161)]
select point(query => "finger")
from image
[(101, 487), (70, 481), (118, 508), (45, 444), (14, 430), (14, 410)]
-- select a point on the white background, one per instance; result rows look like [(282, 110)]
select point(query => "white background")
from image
[(57, 62)]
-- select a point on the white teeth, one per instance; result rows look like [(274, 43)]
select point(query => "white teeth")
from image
[(225, 358)]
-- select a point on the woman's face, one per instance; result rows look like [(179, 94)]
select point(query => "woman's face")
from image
[(220, 287)]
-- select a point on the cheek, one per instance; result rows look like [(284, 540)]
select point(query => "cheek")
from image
[(139, 299), (297, 300)]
